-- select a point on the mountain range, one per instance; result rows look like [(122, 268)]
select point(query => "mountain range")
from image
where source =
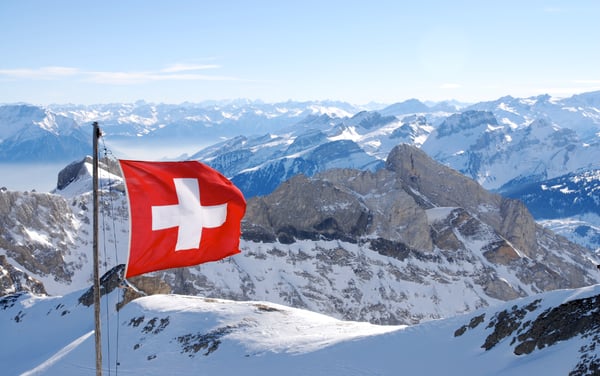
[(510, 145), (30, 133), (373, 215), (390, 246)]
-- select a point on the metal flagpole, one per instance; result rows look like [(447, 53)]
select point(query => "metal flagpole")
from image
[(97, 335)]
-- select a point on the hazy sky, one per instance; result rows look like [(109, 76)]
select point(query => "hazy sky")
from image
[(358, 51)]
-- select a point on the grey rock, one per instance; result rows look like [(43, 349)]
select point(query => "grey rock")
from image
[(13, 280)]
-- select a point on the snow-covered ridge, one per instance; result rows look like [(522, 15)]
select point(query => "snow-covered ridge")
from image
[(173, 334)]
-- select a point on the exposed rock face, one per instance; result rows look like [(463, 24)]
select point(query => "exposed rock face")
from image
[(113, 279), (395, 214), (13, 280), (35, 231), (340, 204), (49, 236), (74, 170), (331, 213), (78, 170), (443, 186)]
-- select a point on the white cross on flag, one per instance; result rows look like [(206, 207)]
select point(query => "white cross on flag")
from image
[(181, 214)]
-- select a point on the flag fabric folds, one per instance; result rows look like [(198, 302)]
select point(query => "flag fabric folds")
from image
[(181, 214)]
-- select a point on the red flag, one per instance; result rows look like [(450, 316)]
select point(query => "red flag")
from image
[(181, 214)]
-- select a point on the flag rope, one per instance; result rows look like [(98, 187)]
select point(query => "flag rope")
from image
[(108, 155), (108, 209)]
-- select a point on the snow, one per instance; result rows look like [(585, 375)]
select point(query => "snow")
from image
[(59, 355), (438, 214), (329, 110), (262, 338), (532, 139), (349, 133), (37, 237), (567, 190), (83, 183), (146, 122), (48, 123), (491, 128), (505, 107), (419, 140), (285, 330), (581, 229), (510, 123)]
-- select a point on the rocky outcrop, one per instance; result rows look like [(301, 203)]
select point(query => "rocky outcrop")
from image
[(134, 288), (510, 218), (35, 231), (530, 326), (73, 171), (79, 170), (330, 213), (49, 236), (13, 280), (339, 204)]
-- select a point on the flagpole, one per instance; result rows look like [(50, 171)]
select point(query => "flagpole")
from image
[(97, 335)]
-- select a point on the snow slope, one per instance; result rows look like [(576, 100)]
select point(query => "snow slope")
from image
[(181, 335)]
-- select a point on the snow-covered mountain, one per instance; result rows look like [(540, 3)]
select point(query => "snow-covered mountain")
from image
[(504, 144), (568, 204), (204, 123), (412, 242), (580, 113), (130, 127), (261, 163), (581, 230), (557, 135), (572, 194), (506, 155), (502, 156), (513, 141), (391, 246), (556, 333), (30, 133), (391, 241), (257, 166)]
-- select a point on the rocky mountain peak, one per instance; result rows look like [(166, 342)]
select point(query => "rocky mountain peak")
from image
[(72, 172), (81, 169), (390, 203), (444, 186), (418, 209), (339, 204)]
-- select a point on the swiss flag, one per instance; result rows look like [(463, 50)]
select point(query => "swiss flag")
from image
[(181, 214)]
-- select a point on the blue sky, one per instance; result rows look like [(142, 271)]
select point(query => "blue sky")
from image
[(357, 51)]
